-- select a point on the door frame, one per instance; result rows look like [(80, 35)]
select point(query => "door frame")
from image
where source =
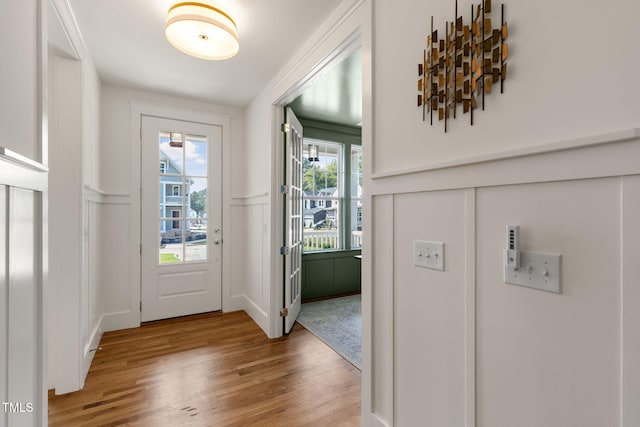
[(345, 48), (133, 317), (204, 274)]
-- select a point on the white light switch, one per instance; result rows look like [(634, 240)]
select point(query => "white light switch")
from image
[(537, 270), (428, 254)]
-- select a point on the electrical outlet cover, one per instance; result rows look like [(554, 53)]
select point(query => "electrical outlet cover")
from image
[(428, 254), (537, 270)]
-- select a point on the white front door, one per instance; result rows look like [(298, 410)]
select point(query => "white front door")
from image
[(294, 218), (181, 176)]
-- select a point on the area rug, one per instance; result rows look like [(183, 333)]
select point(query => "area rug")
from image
[(337, 322)]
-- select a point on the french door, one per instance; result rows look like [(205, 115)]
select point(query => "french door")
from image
[(293, 221), (181, 177)]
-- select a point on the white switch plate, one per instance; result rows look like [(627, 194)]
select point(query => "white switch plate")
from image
[(537, 270), (428, 254)]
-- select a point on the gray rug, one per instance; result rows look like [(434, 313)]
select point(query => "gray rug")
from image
[(337, 322)]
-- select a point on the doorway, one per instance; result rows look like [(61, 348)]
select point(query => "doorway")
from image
[(330, 113), (181, 186)]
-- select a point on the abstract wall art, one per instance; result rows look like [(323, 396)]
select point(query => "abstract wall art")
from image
[(463, 65)]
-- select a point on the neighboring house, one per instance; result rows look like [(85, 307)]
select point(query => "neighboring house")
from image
[(320, 207), (328, 193), (308, 203), (171, 196)]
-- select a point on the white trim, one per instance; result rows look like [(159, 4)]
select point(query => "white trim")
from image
[(120, 320), (629, 302), (92, 345), (618, 157), (251, 196), (208, 117), (64, 13), (96, 195), (16, 175), (378, 296), (258, 199), (470, 309), (375, 421), (285, 89), (589, 141), (241, 302), (309, 49), (21, 160), (276, 289)]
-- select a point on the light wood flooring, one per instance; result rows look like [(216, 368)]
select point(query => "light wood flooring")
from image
[(212, 370)]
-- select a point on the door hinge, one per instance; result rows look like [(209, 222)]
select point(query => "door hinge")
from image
[(140, 248), (286, 127), (284, 189), (284, 312), (140, 306), (140, 193), (284, 250)]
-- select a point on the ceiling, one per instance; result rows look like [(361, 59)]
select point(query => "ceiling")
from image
[(126, 41), (336, 97)]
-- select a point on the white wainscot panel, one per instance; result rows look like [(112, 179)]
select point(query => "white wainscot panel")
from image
[(546, 359), (429, 311), (23, 316)]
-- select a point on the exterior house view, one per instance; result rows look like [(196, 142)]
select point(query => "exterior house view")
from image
[(319, 211), (172, 199), (494, 250)]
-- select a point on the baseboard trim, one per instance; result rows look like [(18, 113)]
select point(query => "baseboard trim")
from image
[(90, 350), (242, 302), (120, 320), (376, 421)]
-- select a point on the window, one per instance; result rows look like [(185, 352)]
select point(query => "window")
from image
[(183, 211), (355, 184), (332, 197), (175, 224)]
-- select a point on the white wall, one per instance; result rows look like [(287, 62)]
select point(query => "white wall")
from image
[(119, 175), (553, 154), (19, 118), (571, 74)]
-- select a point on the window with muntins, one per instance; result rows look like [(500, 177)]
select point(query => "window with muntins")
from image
[(182, 182), (332, 196)]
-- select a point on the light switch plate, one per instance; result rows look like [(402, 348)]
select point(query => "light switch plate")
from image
[(428, 254), (537, 270)]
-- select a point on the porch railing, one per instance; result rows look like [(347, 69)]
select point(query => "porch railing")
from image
[(319, 240)]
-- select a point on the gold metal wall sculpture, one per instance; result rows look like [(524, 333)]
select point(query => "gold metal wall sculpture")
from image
[(464, 66)]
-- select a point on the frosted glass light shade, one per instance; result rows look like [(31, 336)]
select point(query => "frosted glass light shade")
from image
[(202, 30)]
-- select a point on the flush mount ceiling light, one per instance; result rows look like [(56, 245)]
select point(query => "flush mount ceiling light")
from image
[(202, 30)]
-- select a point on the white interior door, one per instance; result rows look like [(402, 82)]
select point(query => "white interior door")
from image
[(293, 221), (181, 218)]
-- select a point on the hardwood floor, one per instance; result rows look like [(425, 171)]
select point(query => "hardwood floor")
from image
[(212, 370)]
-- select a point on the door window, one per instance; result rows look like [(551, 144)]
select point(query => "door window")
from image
[(183, 205)]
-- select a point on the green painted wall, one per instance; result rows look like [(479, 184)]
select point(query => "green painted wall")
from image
[(332, 273), (327, 274)]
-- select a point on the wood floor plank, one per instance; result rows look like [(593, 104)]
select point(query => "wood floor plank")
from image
[(212, 370)]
